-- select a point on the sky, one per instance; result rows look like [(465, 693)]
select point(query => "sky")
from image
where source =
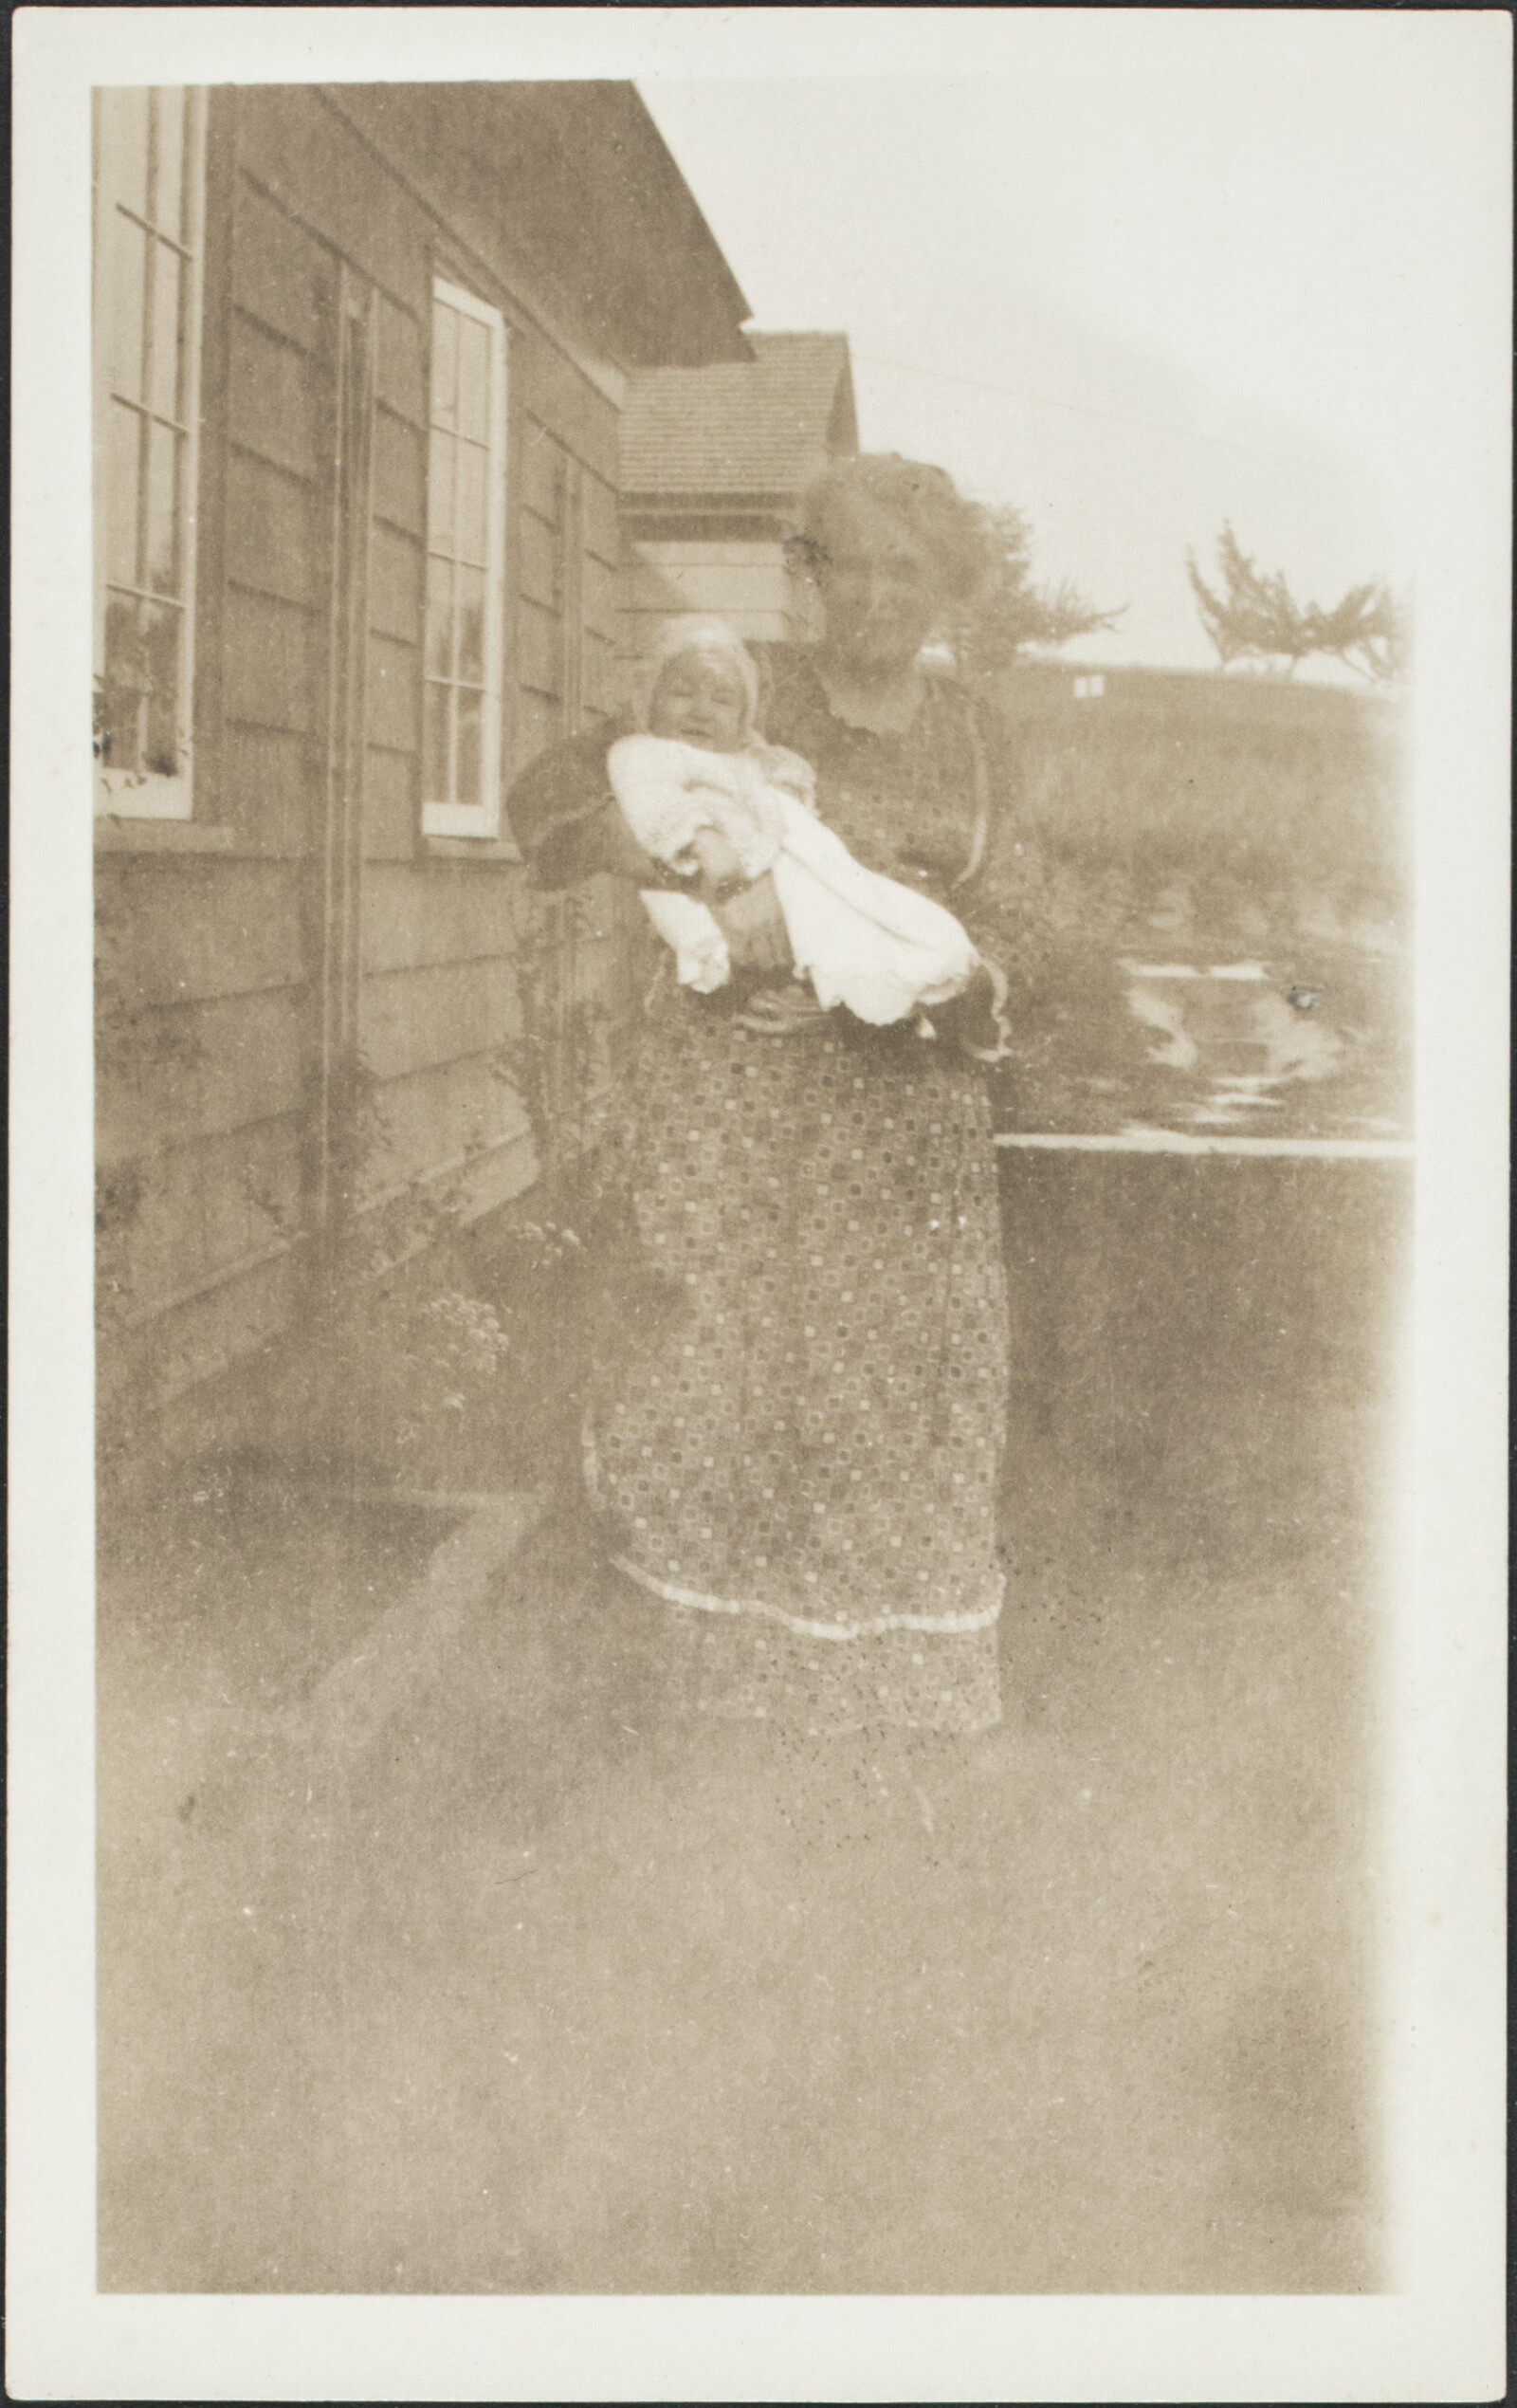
[(1134, 301)]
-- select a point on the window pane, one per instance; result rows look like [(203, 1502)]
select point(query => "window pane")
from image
[(462, 691), (124, 284), (473, 378), (434, 784), (470, 708), (148, 167), (439, 617), (121, 685), (168, 199), (162, 633), (119, 473), (471, 626), (469, 533), (440, 493), (162, 512), (445, 365), (163, 372), (123, 152)]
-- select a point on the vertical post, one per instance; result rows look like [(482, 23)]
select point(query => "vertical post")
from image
[(572, 626), (339, 853)]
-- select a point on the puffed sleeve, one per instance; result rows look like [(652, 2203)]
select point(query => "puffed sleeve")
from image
[(566, 819)]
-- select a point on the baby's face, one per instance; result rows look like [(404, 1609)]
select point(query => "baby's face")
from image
[(699, 699)]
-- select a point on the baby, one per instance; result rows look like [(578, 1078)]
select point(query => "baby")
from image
[(702, 793)]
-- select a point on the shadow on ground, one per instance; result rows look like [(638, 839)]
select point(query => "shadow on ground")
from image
[(535, 1992)]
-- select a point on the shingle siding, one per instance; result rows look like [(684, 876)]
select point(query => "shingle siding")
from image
[(762, 428), (212, 964)]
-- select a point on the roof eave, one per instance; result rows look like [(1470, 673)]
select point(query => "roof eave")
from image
[(733, 292), (666, 502), (583, 181)]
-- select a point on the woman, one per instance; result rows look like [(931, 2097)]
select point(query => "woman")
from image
[(799, 1454)]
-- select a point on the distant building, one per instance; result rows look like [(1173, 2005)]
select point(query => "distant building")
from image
[(715, 461)]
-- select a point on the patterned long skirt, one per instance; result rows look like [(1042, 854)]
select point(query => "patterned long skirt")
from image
[(797, 1422)]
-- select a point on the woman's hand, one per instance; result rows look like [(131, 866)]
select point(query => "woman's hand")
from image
[(717, 860), (754, 926), (778, 1011), (977, 1019)]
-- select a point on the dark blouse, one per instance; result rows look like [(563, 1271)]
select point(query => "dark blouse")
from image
[(925, 806)]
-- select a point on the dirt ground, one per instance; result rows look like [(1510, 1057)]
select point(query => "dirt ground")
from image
[(530, 1990)]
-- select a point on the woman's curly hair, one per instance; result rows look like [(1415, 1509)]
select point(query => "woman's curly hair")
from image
[(923, 500)]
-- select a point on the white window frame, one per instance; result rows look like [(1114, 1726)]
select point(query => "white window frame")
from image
[(139, 794), (481, 819)]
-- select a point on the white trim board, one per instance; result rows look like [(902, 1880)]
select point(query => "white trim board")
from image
[(1169, 1141)]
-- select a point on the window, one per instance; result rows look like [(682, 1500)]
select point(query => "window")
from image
[(465, 562), (148, 209)]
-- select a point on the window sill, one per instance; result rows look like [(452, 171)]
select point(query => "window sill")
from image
[(118, 834), (498, 849)]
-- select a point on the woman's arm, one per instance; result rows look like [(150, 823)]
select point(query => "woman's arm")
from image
[(567, 822), (754, 926)]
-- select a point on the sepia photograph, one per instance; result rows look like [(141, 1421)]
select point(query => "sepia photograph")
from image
[(754, 902)]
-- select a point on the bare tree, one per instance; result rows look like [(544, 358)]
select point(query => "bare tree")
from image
[(1254, 616), (1371, 631)]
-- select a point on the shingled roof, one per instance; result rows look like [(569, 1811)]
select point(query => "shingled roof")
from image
[(743, 427)]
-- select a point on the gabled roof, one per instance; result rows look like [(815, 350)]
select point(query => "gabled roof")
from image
[(576, 182), (764, 426)]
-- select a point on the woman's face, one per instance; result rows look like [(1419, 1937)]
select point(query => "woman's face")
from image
[(699, 699), (878, 590)]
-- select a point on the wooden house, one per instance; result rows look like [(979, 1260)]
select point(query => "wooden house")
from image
[(715, 461), (361, 359)]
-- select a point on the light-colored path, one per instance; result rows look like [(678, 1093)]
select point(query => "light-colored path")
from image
[(497, 1980)]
